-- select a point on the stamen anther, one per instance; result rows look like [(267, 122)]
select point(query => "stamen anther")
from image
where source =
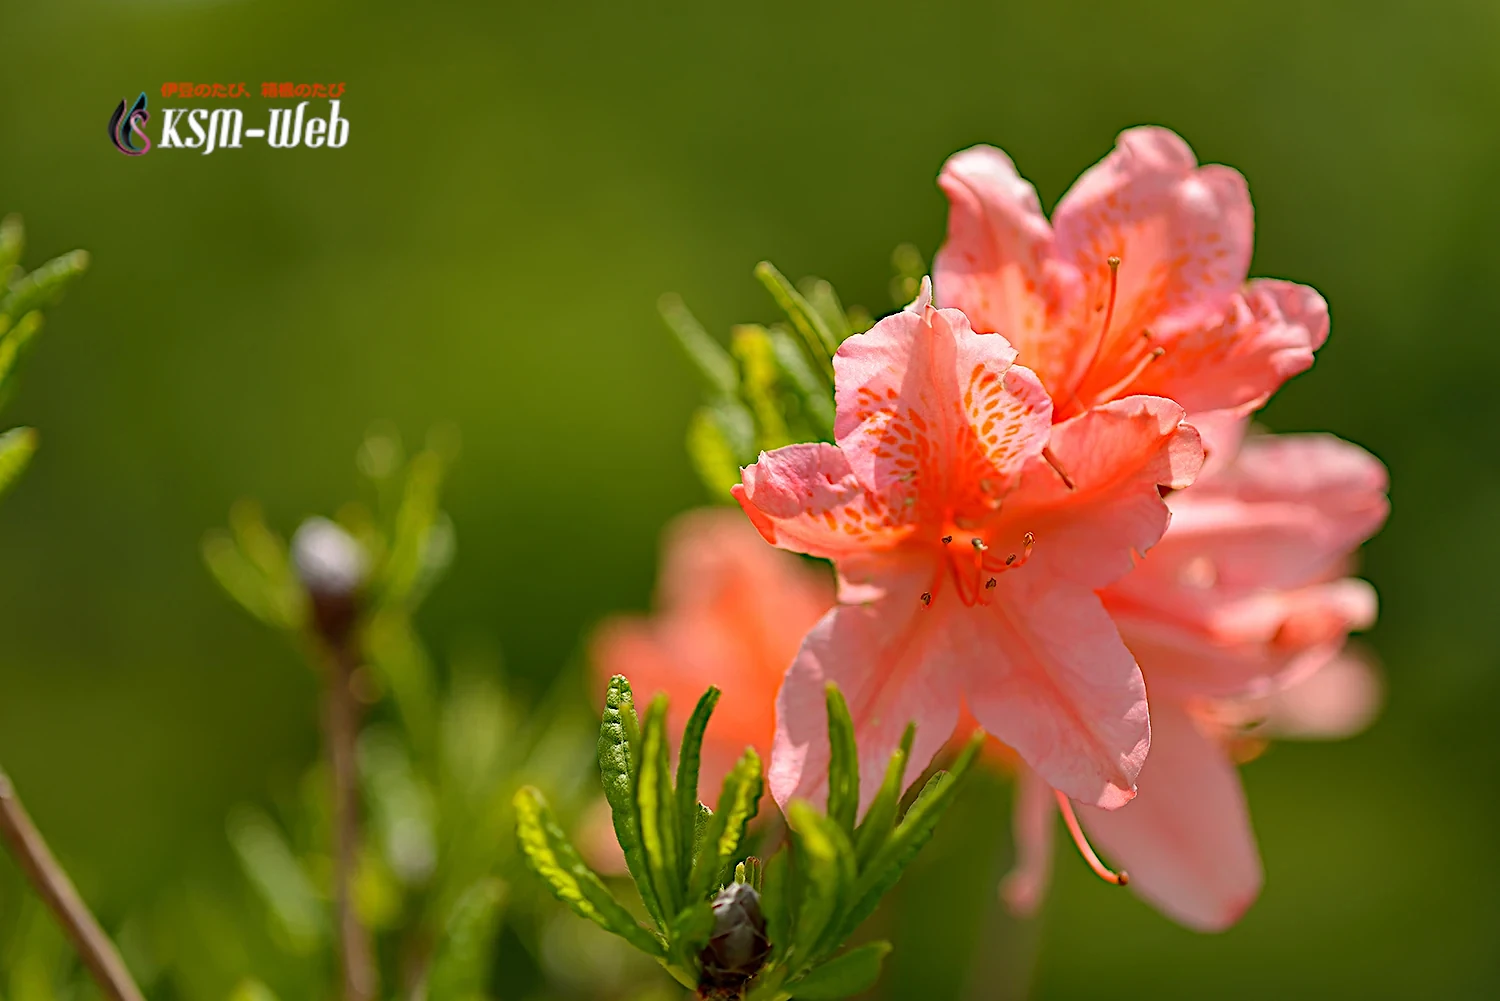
[(1085, 849), (1010, 559), (926, 598), (978, 545), (947, 539), (989, 585)]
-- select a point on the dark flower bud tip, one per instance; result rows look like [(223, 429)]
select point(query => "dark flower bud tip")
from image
[(738, 948)]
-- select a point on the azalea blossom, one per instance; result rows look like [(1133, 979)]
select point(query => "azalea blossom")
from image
[(1138, 284), (967, 563), (731, 612), (1239, 618)]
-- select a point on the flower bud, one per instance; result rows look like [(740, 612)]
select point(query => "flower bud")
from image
[(738, 948), (332, 567)]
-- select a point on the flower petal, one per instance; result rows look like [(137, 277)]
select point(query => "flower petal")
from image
[(1182, 235), (806, 498), (892, 661), (1268, 335), (1338, 700), (1186, 839), (997, 264), (1045, 671), (1090, 526), (930, 414), (1033, 818)]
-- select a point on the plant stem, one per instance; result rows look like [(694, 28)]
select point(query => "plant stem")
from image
[(56, 889), (342, 724)]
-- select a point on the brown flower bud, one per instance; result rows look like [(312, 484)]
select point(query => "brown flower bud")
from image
[(739, 946)]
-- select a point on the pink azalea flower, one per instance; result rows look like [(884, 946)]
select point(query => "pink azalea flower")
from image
[(731, 612), (1239, 619), (967, 566), (1136, 286)]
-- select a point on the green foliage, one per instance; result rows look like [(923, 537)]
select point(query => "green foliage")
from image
[(440, 761), (813, 894), (774, 385), (22, 296)]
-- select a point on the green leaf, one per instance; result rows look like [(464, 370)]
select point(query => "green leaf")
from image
[(855, 972), (815, 393), (752, 346), (820, 341), (44, 285), (460, 964), (711, 360), (17, 446), (825, 863), (412, 555), (619, 755), (739, 800), (689, 757), (243, 581), (689, 933), (776, 905), (713, 459), (880, 818), (661, 831), (251, 989), (843, 762), (914, 831), (12, 243), (14, 339), (825, 302), (275, 873), (551, 856)]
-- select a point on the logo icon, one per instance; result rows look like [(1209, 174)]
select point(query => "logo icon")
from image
[(124, 128)]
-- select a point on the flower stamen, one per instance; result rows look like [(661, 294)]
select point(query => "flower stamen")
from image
[(1085, 849)]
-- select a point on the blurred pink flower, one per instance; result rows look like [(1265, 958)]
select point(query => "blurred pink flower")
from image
[(731, 612), (1137, 285), (1239, 619), (929, 506)]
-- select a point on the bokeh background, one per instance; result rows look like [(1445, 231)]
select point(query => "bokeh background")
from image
[(521, 182)]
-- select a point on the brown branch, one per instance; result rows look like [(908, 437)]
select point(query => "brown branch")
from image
[(342, 723), (56, 889)]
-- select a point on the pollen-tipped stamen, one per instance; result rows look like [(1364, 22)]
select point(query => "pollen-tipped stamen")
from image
[(1085, 849), (1104, 396), (1109, 316), (1057, 467)]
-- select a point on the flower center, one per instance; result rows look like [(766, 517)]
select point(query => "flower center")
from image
[(975, 567)]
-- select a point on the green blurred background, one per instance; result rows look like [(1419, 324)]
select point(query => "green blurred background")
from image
[(520, 183)]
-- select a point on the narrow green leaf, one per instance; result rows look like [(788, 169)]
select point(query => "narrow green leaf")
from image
[(855, 972), (739, 800), (276, 874), (713, 460), (619, 758), (825, 302), (914, 831), (880, 818), (815, 393), (689, 933), (843, 761), (244, 582), (715, 364), (689, 757), (44, 285), (825, 863), (751, 344), (820, 341), (14, 338), (776, 905), (660, 830), (461, 961), (411, 556), (12, 243), (17, 446), (551, 856), (705, 820)]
